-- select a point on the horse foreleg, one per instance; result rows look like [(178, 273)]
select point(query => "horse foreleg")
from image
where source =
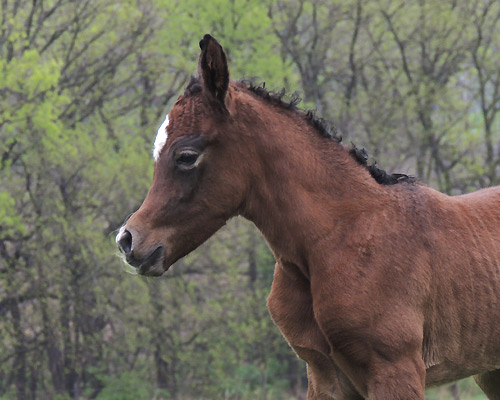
[(378, 371), (376, 344), (290, 306), (489, 382)]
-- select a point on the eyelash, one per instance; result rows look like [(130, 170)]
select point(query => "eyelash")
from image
[(187, 158)]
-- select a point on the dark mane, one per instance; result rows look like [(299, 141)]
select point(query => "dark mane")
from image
[(193, 87), (292, 101), (382, 177), (323, 127)]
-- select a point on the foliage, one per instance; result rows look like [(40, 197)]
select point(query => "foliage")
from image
[(83, 85), (128, 386)]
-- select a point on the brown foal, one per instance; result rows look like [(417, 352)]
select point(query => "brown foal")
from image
[(383, 286)]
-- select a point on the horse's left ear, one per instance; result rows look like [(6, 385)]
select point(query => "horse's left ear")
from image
[(212, 67)]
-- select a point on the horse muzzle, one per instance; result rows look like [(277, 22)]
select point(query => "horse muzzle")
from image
[(148, 263)]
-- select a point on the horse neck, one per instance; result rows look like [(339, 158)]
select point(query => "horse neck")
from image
[(303, 185)]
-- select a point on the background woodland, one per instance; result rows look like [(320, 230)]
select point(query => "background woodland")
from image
[(84, 86)]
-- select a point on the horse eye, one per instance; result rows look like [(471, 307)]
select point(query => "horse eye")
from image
[(186, 158)]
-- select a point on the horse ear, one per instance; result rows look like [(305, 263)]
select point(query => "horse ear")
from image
[(212, 67)]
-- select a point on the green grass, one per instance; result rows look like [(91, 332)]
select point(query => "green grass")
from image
[(467, 390)]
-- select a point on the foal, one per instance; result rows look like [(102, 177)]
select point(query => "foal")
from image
[(382, 285)]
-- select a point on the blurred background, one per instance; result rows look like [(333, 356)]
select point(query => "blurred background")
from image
[(84, 86)]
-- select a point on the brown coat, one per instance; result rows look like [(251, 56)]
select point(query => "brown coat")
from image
[(383, 286)]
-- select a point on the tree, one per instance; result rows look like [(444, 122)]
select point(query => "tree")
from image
[(83, 88), (486, 79), (53, 81)]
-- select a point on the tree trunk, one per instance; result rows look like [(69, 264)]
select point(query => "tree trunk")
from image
[(19, 366)]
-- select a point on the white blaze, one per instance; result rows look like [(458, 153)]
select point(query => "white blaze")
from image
[(161, 139)]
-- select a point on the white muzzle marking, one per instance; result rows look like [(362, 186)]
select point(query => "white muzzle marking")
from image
[(120, 234)]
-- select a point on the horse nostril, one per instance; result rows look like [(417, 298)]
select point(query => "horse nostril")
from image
[(125, 242)]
